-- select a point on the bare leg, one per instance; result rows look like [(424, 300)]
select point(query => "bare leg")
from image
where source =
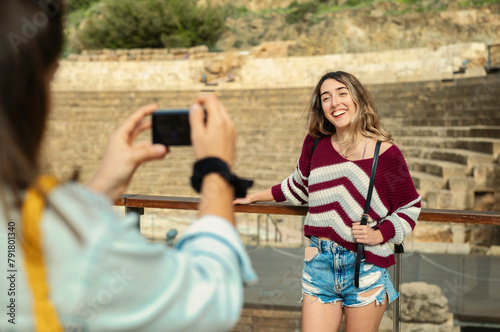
[(317, 316), (366, 318)]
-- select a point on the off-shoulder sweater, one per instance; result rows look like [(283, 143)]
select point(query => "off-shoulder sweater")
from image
[(336, 190)]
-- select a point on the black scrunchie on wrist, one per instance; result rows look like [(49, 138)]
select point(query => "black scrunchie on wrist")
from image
[(215, 165)]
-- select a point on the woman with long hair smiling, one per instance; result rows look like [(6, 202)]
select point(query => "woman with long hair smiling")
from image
[(333, 177)]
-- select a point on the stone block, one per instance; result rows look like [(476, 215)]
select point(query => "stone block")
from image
[(440, 248), (439, 199), (496, 204), (484, 235), (199, 49), (487, 176), (387, 325), (108, 51), (458, 233), (461, 183), (273, 313), (432, 232), (423, 303), (463, 200), (135, 51), (494, 251), (275, 329), (179, 51), (242, 328), (84, 57)]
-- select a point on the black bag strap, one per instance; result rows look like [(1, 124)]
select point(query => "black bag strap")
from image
[(364, 216), (316, 141)]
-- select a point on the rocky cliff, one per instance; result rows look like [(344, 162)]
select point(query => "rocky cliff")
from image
[(375, 27)]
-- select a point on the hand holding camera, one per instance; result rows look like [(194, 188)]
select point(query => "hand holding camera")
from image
[(215, 137), (206, 125), (123, 155)]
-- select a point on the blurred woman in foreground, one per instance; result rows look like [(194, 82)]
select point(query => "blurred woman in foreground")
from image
[(74, 264)]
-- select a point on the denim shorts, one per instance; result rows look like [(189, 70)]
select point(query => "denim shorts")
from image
[(329, 276)]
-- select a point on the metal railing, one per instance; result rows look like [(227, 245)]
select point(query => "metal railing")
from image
[(137, 203)]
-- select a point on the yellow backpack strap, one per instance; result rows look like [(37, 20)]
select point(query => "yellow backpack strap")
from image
[(32, 210)]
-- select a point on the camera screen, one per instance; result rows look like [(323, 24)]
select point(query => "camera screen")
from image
[(171, 127)]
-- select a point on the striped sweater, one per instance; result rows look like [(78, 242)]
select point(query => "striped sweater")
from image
[(336, 190)]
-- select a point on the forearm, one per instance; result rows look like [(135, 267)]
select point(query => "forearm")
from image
[(399, 225), (217, 197), (377, 238), (99, 184), (262, 196)]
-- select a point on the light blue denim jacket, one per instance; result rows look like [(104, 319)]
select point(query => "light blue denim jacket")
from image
[(115, 280)]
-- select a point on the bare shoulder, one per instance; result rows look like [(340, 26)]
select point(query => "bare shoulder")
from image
[(385, 146)]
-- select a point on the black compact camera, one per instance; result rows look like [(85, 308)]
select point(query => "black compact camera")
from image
[(171, 127)]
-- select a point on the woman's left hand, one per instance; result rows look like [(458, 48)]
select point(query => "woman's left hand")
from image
[(365, 234), (123, 155)]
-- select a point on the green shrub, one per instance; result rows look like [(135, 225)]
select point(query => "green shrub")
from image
[(356, 3), (235, 11), (151, 24), (75, 5), (298, 11), (253, 41), (237, 43)]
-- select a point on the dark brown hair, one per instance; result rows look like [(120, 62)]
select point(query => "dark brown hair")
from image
[(31, 33), (365, 121)]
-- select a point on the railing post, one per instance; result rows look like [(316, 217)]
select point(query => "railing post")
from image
[(303, 237), (488, 62), (137, 210), (398, 251), (258, 230), (267, 228), (275, 231)]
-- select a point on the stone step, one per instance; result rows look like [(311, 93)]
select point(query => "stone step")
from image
[(425, 182), (459, 87), (461, 183), (449, 94), (255, 113), (68, 97), (435, 114), (446, 199), (386, 106), (443, 105), (269, 97), (443, 169), (124, 103), (469, 131), (445, 96), (487, 177), (454, 121), (459, 156), (478, 144)]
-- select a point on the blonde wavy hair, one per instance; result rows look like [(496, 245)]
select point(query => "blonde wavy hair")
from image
[(365, 121)]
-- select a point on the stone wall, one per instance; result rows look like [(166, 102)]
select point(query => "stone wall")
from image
[(184, 69), (253, 5)]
